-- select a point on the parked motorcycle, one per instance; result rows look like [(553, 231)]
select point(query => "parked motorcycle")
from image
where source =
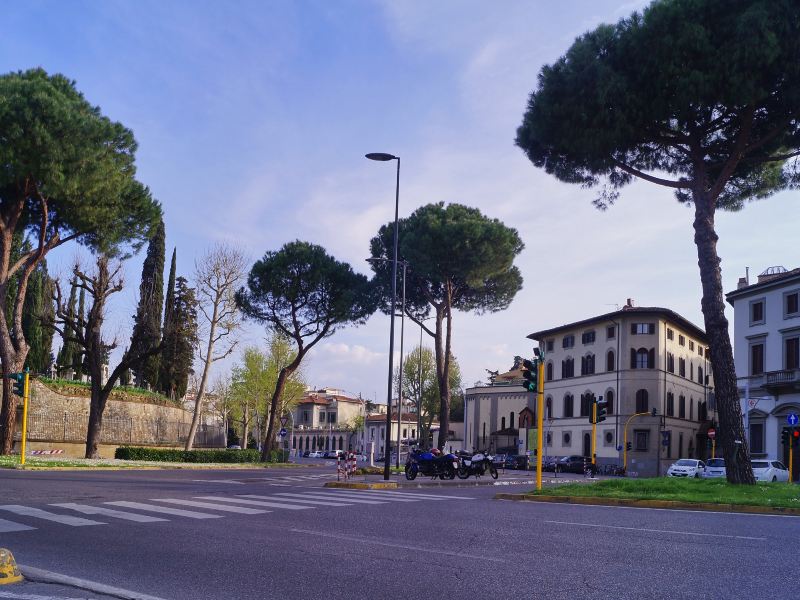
[(426, 463), (475, 464)]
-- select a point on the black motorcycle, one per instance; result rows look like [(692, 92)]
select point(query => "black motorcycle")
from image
[(475, 464), (426, 463)]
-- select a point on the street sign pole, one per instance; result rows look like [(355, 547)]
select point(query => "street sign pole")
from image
[(25, 396), (594, 432), (539, 420)]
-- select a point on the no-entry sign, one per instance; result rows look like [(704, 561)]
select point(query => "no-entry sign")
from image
[(712, 433)]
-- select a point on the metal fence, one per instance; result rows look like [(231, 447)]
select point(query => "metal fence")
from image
[(119, 430)]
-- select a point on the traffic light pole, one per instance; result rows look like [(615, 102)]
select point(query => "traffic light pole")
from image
[(25, 395), (791, 458), (539, 422), (594, 433), (625, 440)]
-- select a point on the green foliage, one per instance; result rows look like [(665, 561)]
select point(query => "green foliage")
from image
[(59, 147), (147, 320), (68, 387), (38, 311), (180, 340), (680, 89), (188, 456), (451, 248), (69, 347)]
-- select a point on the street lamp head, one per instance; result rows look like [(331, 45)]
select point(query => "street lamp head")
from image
[(381, 156)]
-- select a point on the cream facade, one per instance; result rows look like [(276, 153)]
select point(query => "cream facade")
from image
[(638, 359)]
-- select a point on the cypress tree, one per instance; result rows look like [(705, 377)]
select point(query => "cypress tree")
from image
[(66, 356), (169, 304), (79, 358), (37, 312), (147, 321), (180, 340)]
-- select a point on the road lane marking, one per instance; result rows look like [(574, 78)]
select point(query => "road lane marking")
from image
[(109, 512), (262, 503), (413, 495), (48, 516), (18, 596), (437, 551), (383, 497), (195, 504), (9, 526), (320, 496), (273, 502), (716, 535), (234, 481), (164, 509)]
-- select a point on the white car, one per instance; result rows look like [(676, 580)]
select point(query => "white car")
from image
[(715, 467), (686, 467), (316, 454), (769, 470)]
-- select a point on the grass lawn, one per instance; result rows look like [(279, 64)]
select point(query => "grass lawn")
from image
[(716, 491), (12, 462)]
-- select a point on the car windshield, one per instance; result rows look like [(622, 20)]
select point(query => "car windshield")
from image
[(760, 464), (716, 462), (685, 462)]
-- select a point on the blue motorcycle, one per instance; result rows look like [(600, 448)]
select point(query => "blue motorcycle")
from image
[(427, 463)]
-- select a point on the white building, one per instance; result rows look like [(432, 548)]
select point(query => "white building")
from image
[(766, 335), (638, 359)]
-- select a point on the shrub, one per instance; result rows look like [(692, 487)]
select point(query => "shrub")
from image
[(191, 456)]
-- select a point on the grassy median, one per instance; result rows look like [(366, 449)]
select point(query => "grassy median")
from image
[(41, 463), (712, 491)]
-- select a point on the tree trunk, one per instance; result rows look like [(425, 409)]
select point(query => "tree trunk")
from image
[(269, 438), (245, 423), (444, 374), (96, 409), (202, 388), (731, 430)]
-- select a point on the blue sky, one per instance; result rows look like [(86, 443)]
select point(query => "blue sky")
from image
[(253, 118)]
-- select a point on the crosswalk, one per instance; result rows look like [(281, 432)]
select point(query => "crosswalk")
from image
[(283, 481), (208, 506)]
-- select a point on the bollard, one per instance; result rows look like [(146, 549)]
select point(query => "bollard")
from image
[(9, 573)]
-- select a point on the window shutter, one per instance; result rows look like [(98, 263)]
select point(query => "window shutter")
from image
[(652, 328), (564, 369), (651, 359), (633, 328), (633, 358)]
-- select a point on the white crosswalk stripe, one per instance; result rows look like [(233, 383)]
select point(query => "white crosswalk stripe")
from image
[(27, 511), (412, 495), (198, 504), (167, 510), (359, 494), (9, 526), (109, 512), (284, 499), (323, 496)]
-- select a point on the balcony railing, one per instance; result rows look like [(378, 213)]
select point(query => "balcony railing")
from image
[(781, 378)]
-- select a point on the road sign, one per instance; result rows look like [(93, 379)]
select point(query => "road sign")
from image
[(792, 419), (283, 421), (283, 432), (712, 433)]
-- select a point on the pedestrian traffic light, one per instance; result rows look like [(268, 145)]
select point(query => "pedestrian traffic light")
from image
[(785, 436), (19, 383), (530, 375), (602, 408), (628, 446)]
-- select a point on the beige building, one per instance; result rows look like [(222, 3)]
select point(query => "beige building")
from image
[(638, 359), (324, 420)]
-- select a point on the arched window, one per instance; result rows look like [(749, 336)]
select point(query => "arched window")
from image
[(568, 409), (610, 401), (610, 361), (670, 404), (503, 423), (549, 407), (567, 368), (641, 359), (341, 443), (549, 371), (294, 443), (691, 409), (587, 364), (314, 443), (700, 376), (642, 403), (511, 420), (682, 407)]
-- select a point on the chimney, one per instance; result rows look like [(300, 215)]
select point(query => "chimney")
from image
[(628, 304), (742, 283)]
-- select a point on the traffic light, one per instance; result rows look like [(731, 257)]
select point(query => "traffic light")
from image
[(602, 409), (628, 446), (530, 374), (19, 383), (653, 411), (785, 436), (795, 437)]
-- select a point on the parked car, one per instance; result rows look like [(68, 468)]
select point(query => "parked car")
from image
[(306, 453), (333, 454), (499, 461), (715, 467), (686, 467), (573, 464), (517, 461), (361, 458), (315, 454), (234, 447), (769, 470), (549, 463)]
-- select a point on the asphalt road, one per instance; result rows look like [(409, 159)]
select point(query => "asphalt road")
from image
[(426, 543)]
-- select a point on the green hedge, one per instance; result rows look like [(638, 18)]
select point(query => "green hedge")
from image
[(191, 456)]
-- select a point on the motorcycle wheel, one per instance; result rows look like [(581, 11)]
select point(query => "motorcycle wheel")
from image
[(448, 473), (463, 471), (411, 472), (493, 471)]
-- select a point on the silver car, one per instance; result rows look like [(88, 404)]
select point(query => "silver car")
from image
[(686, 467), (770, 470), (715, 467)]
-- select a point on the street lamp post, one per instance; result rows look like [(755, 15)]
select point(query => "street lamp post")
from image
[(382, 156)]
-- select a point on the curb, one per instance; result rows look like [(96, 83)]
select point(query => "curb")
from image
[(9, 572), (185, 467), (42, 576), (383, 485), (666, 504)]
